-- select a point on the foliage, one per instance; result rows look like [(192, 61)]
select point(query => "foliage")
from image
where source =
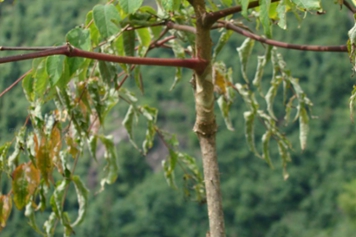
[(84, 92)]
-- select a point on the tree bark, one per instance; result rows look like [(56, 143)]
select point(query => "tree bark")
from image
[(205, 124)]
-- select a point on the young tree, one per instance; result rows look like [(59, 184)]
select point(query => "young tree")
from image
[(84, 79)]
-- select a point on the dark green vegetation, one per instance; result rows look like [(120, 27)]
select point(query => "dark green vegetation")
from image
[(316, 200)]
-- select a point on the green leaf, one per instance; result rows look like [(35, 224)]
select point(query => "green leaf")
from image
[(178, 51), (3, 157), (12, 160), (106, 19), (25, 180), (271, 94), (351, 45), (264, 16), (144, 37), (82, 195), (244, 5), (129, 42), (79, 38), (283, 152), (261, 63), (303, 126), (224, 37), (151, 115), (5, 209), (93, 141), (49, 224), (265, 144), (108, 71), (281, 12), (352, 101), (111, 169), (244, 54), (30, 214), (94, 32), (41, 78), (168, 167), (224, 106), (309, 5), (249, 131), (170, 5), (226, 2), (128, 122), (54, 66), (130, 6), (28, 87)]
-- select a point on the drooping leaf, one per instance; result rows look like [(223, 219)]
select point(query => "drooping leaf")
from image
[(13, 159), (28, 87), (5, 209), (3, 157), (44, 161), (151, 116), (261, 63), (265, 144), (30, 214), (106, 19), (111, 169), (249, 131), (130, 6), (168, 167), (303, 126), (352, 101), (224, 106), (26, 179), (144, 38), (82, 195), (285, 155), (128, 123), (244, 54), (271, 94), (224, 37), (178, 51), (49, 224)]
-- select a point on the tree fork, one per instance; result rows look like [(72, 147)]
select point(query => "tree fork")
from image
[(205, 124)]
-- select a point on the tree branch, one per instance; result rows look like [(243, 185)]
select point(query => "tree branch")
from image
[(319, 48), (349, 6), (212, 17), (70, 51), (15, 83)]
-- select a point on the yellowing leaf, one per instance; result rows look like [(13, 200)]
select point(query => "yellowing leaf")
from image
[(5, 209), (25, 180)]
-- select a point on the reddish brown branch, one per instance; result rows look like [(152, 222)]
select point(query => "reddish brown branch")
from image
[(349, 6), (319, 48), (3, 48), (212, 17), (70, 51)]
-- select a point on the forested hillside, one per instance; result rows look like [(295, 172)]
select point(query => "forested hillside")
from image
[(316, 200)]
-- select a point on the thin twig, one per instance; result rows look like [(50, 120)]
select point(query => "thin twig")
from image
[(15, 83), (349, 6), (319, 48), (212, 17), (5, 48)]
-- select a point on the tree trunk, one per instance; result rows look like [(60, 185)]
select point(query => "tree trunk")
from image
[(205, 124)]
